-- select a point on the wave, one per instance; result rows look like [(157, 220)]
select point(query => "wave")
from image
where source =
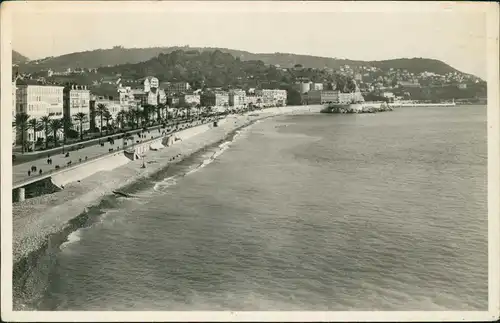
[(73, 237), (208, 158), (167, 182)]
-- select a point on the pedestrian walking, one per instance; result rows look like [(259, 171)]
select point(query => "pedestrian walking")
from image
[(40, 172), (29, 173)]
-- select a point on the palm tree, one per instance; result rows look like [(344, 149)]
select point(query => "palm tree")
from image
[(67, 125), (144, 115), (198, 107), (120, 118), (55, 126), (152, 110), (81, 117), (134, 118), (35, 126), (209, 111), (22, 124), (108, 117), (130, 116), (159, 110), (45, 120), (100, 111)]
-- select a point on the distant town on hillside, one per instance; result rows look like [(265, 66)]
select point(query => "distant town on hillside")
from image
[(225, 69)]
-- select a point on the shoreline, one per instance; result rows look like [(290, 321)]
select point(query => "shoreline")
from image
[(43, 223)]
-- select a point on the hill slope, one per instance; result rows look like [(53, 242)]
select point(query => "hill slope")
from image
[(120, 55), (17, 58), (210, 68)]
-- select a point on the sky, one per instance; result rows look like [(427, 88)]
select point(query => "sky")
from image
[(457, 37)]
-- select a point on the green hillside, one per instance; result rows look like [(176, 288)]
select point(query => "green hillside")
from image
[(119, 55)]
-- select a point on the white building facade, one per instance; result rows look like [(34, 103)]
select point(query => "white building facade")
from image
[(77, 100), (38, 101), (237, 98)]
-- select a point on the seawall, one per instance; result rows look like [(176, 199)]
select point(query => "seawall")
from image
[(110, 162), (105, 163)]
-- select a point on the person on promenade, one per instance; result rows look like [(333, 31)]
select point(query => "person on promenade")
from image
[(29, 173), (40, 172)]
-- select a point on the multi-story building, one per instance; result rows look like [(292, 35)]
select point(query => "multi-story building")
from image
[(126, 97), (177, 88), (151, 83), (237, 98), (38, 101), (162, 96), (254, 100), (324, 97), (215, 99), (346, 98), (317, 87), (321, 97), (190, 99), (145, 98), (113, 106), (272, 97), (303, 87), (150, 94), (77, 100)]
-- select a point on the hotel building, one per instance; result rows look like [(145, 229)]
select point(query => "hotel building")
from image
[(237, 98), (190, 99), (76, 100), (38, 101), (113, 106), (272, 97), (216, 99), (177, 88)]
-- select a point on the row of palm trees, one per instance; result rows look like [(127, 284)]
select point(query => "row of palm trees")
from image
[(133, 119), (24, 122)]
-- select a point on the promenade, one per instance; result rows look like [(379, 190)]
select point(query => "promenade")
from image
[(20, 171)]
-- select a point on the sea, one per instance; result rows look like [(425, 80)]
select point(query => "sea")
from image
[(324, 212)]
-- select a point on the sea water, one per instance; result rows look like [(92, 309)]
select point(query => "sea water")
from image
[(308, 212)]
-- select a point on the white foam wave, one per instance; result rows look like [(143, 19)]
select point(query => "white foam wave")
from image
[(167, 182), (224, 144), (73, 237), (210, 157)]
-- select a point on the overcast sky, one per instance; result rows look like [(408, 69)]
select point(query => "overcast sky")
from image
[(457, 37)]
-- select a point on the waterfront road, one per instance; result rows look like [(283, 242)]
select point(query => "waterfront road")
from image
[(20, 172)]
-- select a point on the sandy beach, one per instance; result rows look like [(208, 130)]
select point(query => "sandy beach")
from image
[(35, 219)]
